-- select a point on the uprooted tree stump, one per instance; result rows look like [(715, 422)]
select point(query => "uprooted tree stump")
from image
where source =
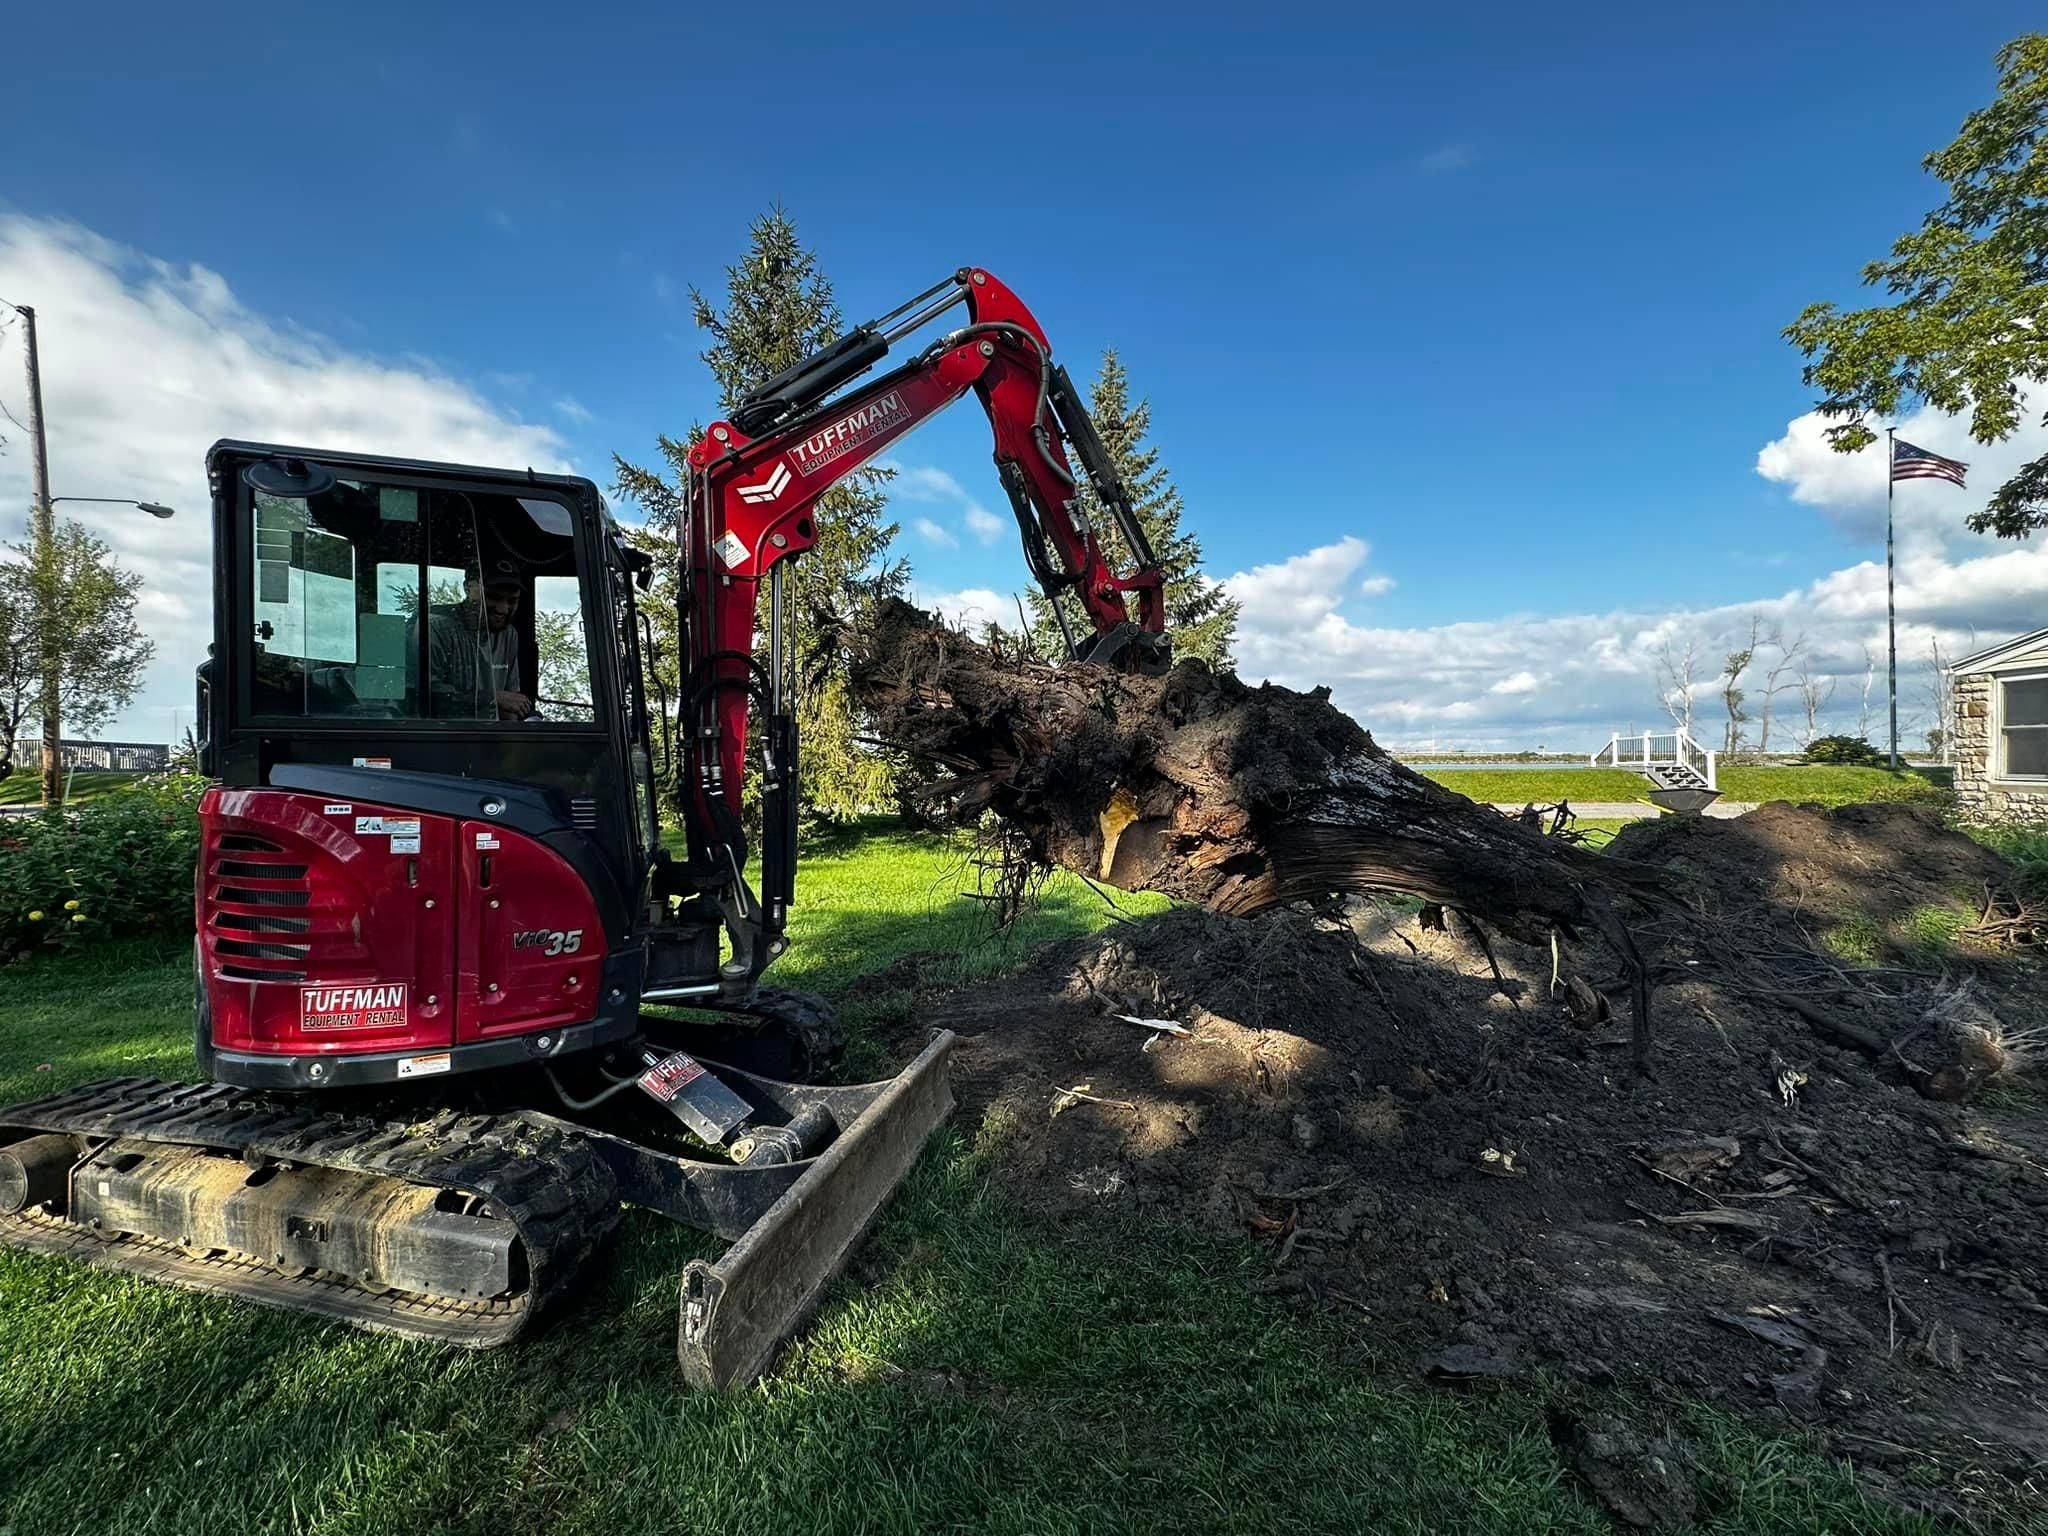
[(1207, 789)]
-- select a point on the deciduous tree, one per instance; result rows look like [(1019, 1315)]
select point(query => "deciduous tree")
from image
[(17, 659), (1968, 329), (88, 602)]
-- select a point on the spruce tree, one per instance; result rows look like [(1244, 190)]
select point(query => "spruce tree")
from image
[(1200, 616), (778, 309)]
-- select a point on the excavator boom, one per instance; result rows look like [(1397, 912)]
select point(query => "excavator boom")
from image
[(751, 504)]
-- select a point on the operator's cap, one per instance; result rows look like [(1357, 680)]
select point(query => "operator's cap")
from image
[(496, 576)]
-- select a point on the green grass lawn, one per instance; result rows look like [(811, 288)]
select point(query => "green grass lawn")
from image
[(1822, 784), (976, 1372), (27, 788)]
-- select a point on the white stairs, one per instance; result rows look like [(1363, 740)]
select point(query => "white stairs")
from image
[(1677, 776), (1684, 776)]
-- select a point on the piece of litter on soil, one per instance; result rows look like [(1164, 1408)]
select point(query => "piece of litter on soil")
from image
[(1164, 1026), (1064, 1099), (1501, 1164)]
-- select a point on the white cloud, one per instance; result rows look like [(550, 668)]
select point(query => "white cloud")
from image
[(1564, 681), (499, 219), (937, 533), (984, 524), (575, 410), (1849, 488), (145, 364), (1445, 157), (924, 483), (929, 485), (664, 288), (971, 607), (1376, 586), (1303, 587)]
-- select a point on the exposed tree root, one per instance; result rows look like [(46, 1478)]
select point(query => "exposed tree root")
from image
[(1199, 786)]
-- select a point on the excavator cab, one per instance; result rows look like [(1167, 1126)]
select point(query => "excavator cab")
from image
[(429, 846)]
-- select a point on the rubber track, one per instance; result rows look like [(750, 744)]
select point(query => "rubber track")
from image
[(544, 1180), (805, 1017)]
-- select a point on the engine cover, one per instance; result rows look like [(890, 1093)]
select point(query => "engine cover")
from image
[(331, 928)]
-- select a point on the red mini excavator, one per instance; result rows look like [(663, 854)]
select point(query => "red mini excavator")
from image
[(455, 1001)]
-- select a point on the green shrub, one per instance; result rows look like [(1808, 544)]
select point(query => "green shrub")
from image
[(115, 865), (1853, 751), (2026, 847)]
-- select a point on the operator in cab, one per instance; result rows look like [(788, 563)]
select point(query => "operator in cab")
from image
[(473, 651)]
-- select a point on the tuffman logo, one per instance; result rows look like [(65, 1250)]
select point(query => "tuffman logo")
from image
[(830, 444), (379, 1006)]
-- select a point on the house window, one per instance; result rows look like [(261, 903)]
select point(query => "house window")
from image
[(2023, 726)]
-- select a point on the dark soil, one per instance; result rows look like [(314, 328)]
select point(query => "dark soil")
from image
[(1776, 1222)]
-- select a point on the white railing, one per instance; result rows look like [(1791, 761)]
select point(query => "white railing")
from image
[(1651, 749)]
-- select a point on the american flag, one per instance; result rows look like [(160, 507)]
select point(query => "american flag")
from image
[(1911, 463)]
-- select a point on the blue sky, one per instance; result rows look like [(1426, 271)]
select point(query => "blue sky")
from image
[(1495, 291)]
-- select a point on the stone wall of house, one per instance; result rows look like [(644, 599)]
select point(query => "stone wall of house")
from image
[(1977, 798)]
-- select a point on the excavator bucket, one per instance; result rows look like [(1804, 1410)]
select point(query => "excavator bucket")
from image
[(739, 1310)]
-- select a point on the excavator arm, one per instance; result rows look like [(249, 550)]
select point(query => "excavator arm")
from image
[(750, 504)]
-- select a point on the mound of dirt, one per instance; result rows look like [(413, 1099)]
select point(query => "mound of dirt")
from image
[(1426, 1132), (1879, 862)]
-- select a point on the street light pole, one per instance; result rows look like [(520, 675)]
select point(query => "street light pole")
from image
[(43, 564), (42, 552)]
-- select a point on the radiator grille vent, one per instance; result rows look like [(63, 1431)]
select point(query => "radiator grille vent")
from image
[(261, 945)]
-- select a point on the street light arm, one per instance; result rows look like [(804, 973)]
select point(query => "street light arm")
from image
[(153, 508)]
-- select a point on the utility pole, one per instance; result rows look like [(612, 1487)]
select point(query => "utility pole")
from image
[(42, 551)]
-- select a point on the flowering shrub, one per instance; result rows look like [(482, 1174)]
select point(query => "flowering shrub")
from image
[(119, 864)]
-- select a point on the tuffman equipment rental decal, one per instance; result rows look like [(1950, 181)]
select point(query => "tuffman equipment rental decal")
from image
[(380, 1005), (830, 444)]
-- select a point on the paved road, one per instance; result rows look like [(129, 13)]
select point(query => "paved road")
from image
[(1638, 810)]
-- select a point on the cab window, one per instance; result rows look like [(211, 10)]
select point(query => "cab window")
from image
[(394, 602)]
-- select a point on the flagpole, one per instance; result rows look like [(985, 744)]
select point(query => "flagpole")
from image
[(1891, 612)]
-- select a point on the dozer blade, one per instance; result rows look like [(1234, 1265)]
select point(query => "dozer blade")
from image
[(739, 1311)]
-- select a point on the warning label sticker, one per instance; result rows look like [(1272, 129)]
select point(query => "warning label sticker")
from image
[(388, 826), (424, 1066), (373, 762), (669, 1076), (381, 1005), (731, 549), (405, 845), (486, 840)]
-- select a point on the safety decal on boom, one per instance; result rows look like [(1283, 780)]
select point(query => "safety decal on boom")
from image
[(378, 1006), (732, 549)]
